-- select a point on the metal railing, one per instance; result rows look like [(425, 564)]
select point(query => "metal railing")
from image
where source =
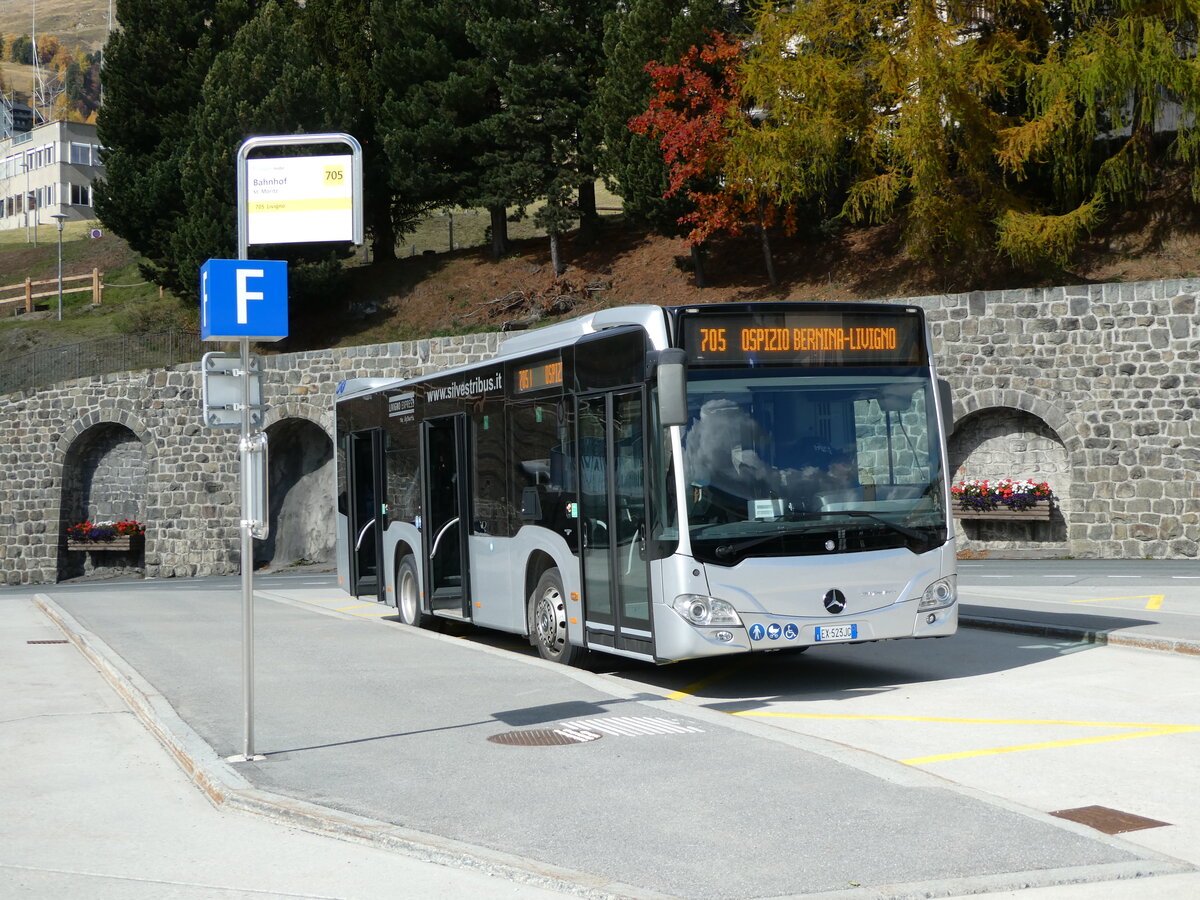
[(120, 353)]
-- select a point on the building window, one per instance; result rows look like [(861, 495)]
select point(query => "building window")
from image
[(81, 154), (81, 195)]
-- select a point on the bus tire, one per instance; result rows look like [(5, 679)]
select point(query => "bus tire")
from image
[(408, 593), (548, 620)]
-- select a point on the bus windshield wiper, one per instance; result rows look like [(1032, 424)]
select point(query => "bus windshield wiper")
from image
[(727, 550), (862, 513)]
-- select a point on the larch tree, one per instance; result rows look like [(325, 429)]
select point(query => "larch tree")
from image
[(1115, 95), (891, 110)]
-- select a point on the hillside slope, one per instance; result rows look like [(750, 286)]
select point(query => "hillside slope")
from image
[(464, 291)]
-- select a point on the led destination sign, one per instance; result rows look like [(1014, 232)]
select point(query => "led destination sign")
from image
[(542, 375), (804, 339)]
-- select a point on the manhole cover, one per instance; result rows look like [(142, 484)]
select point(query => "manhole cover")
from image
[(544, 737), (1110, 821), (47, 642)]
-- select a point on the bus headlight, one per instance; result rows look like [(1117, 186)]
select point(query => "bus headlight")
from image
[(698, 609), (939, 594)]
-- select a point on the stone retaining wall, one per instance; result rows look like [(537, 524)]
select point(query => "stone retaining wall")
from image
[(1093, 388), (189, 500)]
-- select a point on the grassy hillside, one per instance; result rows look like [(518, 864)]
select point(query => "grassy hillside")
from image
[(73, 22), (130, 305)]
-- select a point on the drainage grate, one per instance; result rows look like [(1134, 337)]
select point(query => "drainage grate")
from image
[(1109, 821), (544, 737), (47, 642)]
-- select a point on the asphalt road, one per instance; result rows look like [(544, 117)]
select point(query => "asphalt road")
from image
[(1149, 603)]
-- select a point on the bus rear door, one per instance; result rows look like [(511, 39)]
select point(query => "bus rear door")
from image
[(366, 513), (446, 504)]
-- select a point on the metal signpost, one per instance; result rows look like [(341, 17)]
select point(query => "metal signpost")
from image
[(281, 200)]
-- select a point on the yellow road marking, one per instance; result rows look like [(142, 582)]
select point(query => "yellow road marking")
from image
[(1048, 745), (705, 682), (1142, 729), (355, 606), (1153, 601), (953, 720)]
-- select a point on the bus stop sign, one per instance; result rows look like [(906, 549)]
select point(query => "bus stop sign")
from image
[(242, 299)]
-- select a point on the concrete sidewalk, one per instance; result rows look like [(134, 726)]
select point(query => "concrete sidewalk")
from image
[(381, 733)]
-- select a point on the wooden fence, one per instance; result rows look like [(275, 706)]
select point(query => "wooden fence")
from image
[(24, 301)]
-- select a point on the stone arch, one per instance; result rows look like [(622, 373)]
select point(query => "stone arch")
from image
[(1009, 439), (975, 402), (301, 488), (103, 472)]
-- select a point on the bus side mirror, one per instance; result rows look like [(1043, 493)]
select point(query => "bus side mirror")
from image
[(672, 387), (946, 401)]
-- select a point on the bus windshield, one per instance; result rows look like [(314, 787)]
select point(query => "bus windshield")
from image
[(787, 462)]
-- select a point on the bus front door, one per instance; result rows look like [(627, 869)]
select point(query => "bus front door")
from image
[(612, 515), (366, 511), (446, 519)]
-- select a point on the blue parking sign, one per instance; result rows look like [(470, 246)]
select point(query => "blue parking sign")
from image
[(243, 298)]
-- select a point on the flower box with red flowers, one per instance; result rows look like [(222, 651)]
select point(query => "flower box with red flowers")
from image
[(1006, 498), (122, 536)]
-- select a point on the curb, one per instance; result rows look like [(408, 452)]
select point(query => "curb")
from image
[(1082, 635)]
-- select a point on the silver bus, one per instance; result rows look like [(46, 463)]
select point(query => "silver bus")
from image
[(662, 483)]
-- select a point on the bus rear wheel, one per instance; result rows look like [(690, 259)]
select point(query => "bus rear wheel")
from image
[(408, 593), (548, 620)]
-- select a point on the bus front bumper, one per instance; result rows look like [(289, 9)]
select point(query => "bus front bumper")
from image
[(676, 639)]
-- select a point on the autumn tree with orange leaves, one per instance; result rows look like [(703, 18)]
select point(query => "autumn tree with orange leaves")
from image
[(691, 110)]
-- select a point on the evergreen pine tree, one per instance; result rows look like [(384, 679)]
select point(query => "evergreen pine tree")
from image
[(154, 67)]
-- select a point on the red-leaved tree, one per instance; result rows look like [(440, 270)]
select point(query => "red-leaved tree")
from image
[(693, 103)]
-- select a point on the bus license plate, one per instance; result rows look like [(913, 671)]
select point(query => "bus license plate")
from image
[(837, 632)]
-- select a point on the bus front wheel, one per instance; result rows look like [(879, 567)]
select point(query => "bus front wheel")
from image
[(408, 593), (548, 620)]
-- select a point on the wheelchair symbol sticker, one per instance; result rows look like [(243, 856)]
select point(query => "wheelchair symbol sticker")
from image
[(791, 632)]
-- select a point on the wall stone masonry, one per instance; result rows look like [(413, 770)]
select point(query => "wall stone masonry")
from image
[(1093, 388), (183, 484)]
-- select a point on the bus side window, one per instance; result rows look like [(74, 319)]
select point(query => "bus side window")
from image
[(532, 442), (492, 511)]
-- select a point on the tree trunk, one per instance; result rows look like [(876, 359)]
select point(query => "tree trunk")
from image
[(555, 262), (766, 246), (589, 219), (383, 235), (698, 265), (499, 232)]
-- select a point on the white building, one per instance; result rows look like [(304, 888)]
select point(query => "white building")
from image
[(48, 170)]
